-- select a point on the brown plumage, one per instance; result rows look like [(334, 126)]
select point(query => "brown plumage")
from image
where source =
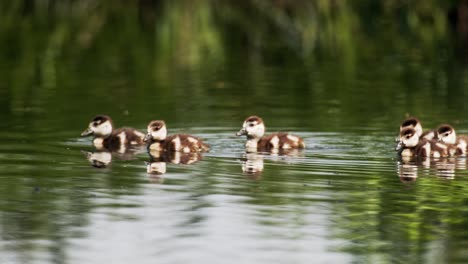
[(159, 141), (101, 127), (410, 145), (267, 143), (188, 143), (254, 128), (132, 137), (446, 134)]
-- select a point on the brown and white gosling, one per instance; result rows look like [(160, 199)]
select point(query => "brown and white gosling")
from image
[(159, 141), (411, 145), (254, 128), (105, 137), (446, 134)]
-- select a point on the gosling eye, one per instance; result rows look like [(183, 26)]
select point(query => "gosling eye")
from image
[(251, 125)]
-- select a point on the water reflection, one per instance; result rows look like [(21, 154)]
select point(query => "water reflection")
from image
[(252, 165), (285, 153), (329, 188), (102, 157), (408, 169), (174, 157), (155, 171), (98, 159), (158, 159), (445, 168), (156, 167)]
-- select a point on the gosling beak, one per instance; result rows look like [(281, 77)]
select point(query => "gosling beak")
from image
[(86, 153), (147, 137), (399, 146), (241, 132), (87, 132)]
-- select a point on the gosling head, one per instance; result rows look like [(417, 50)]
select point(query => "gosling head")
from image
[(252, 127), (156, 131), (100, 126), (408, 138), (446, 134), (412, 122)]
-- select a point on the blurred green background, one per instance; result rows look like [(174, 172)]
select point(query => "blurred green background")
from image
[(321, 65)]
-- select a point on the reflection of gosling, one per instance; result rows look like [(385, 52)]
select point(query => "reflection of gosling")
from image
[(447, 135), (253, 165), (100, 159), (254, 128), (460, 164), (407, 172), (159, 141), (175, 157), (156, 168), (409, 145), (105, 137), (445, 168)]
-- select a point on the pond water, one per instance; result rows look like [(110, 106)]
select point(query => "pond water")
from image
[(345, 198), (204, 67)]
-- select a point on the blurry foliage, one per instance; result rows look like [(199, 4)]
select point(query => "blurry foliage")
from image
[(172, 48), (338, 58)]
